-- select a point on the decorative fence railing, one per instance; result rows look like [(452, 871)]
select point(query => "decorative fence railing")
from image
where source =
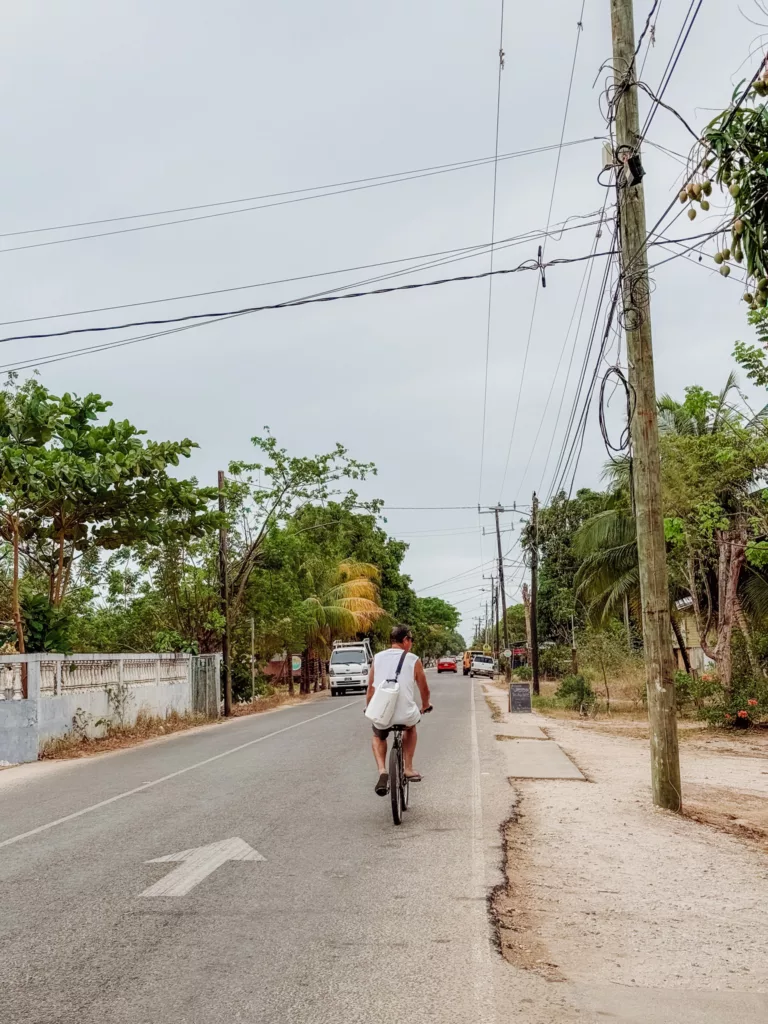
[(41, 693)]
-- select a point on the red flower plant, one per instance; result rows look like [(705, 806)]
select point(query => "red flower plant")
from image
[(743, 714), (752, 702), (728, 717)]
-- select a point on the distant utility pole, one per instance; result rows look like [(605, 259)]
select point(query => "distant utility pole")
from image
[(494, 614), (496, 511), (224, 598), (646, 462), (534, 591)]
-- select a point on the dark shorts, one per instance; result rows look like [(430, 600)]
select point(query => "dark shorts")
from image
[(384, 733)]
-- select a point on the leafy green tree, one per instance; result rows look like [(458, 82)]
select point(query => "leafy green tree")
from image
[(558, 563)]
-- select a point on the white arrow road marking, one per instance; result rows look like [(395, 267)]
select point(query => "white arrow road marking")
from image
[(197, 864)]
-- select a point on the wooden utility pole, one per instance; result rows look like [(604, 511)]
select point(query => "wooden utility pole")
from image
[(497, 641), (646, 461), (504, 625), (534, 591), (527, 605), (224, 598)]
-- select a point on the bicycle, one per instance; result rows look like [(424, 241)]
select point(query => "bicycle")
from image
[(399, 787)]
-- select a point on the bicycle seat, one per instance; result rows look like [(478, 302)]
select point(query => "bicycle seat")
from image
[(399, 728)]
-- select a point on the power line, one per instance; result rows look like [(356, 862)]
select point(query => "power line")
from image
[(558, 474), (367, 184), (672, 64), (293, 303), (556, 232), (584, 282), (579, 30), (568, 372), (450, 579), (490, 279)]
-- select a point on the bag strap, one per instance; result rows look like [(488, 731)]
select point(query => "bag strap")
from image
[(399, 667)]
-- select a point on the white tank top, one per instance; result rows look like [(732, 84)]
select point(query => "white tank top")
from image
[(384, 667)]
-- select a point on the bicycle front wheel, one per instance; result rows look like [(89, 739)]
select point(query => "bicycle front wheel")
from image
[(396, 784)]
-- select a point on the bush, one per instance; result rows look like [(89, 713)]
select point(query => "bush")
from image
[(555, 661), (743, 708), (524, 672), (575, 692), (695, 691)]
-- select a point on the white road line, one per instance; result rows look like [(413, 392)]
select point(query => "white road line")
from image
[(485, 996), (165, 778)]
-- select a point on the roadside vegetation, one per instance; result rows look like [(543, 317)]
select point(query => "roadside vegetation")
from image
[(106, 547), (714, 451)]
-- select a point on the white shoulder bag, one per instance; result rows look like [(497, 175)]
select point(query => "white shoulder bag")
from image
[(381, 708)]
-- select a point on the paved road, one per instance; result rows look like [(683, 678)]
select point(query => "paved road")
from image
[(347, 919)]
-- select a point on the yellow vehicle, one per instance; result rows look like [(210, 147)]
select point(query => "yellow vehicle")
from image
[(466, 664)]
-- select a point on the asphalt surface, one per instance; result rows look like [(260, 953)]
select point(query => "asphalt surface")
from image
[(346, 919)]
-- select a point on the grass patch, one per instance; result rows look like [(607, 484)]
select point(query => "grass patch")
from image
[(147, 727), (274, 700), (494, 709)]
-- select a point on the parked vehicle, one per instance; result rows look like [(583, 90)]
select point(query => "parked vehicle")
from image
[(349, 665), (467, 662), (482, 665), (446, 664)]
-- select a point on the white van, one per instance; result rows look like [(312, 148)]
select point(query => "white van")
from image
[(482, 665), (349, 667)]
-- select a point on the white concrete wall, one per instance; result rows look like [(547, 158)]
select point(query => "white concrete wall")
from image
[(55, 714), (60, 688)]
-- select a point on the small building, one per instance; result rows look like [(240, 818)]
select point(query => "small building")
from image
[(690, 632)]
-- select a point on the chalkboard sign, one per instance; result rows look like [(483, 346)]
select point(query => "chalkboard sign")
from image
[(519, 698)]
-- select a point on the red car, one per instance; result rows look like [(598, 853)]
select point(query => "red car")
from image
[(446, 664)]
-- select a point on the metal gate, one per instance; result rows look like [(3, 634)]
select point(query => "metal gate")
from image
[(205, 675)]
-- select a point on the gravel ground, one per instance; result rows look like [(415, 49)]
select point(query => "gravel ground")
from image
[(603, 889)]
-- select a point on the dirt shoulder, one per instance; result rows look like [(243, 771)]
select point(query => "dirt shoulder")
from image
[(602, 889)]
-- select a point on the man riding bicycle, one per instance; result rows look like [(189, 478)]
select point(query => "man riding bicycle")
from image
[(407, 711)]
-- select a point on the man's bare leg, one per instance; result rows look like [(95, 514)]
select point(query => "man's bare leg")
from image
[(409, 749), (379, 752)]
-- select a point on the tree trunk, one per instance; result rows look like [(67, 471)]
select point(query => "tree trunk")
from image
[(289, 672), (57, 590), (305, 659), (741, 621), (680, 642), (731, 545), (15, 603)]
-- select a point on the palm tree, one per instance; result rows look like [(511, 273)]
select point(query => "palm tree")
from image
[(608, 579), (342, 600), (609, 574)]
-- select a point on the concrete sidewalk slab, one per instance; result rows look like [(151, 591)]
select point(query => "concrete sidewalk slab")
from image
[(537, 759), (517, 727)]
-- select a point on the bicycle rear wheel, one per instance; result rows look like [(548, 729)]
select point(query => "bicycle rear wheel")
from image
[(395, 783)]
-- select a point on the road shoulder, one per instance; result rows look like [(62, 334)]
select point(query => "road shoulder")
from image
[(613, 908)]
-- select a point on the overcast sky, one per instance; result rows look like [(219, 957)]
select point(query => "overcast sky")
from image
[(122, 108)]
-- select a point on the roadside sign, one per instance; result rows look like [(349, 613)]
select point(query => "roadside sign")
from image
[(507, 653), (519, 698), (296, 663)]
